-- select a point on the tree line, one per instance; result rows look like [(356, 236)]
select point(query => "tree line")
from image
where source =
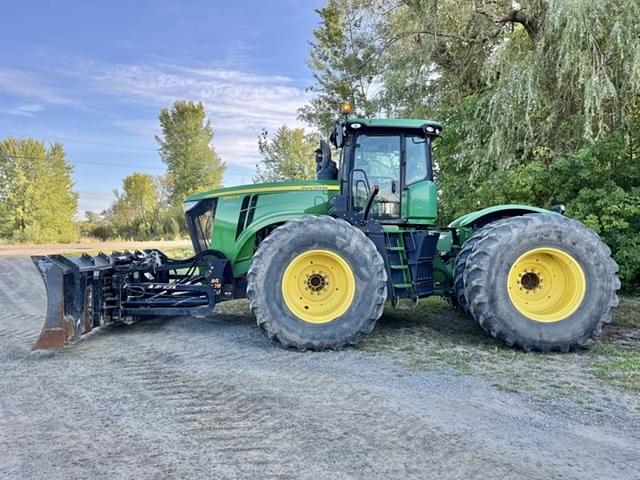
[(38, 202)]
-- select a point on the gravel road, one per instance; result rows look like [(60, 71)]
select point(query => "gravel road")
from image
[(213, 398)]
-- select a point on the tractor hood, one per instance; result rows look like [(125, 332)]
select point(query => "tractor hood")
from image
[(266, 188)]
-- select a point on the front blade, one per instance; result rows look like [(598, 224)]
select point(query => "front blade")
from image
[(67, 289)]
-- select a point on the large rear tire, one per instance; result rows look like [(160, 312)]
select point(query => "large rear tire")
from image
[(317, 283), (541, 282), (459, 298)]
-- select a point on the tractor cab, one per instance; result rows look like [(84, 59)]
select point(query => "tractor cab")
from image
[(386, 169)]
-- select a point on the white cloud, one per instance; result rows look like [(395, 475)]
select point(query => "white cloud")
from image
[(229, 93), (239, 103), (26, 84), (26, 110)]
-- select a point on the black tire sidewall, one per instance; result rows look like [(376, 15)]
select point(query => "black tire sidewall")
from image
[(352, 247), (580, 323)]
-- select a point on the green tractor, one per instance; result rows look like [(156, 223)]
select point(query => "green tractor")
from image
[(318, 260)]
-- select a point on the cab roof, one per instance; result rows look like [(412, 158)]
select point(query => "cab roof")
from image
[(408, 123)]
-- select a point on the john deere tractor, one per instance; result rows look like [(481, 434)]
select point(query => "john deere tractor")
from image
[(318, 260)]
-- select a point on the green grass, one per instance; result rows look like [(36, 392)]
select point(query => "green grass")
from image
[(628, 313), (617, 365), (436, 337)]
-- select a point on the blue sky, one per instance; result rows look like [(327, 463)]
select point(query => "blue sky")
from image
[(94, 75)]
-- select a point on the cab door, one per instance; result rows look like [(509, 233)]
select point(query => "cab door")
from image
[(377, 161), (419, 195)]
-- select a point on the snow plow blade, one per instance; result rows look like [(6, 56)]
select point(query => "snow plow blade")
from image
[(86, 292)]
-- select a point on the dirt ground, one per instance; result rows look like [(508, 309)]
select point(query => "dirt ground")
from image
[(427, 395)]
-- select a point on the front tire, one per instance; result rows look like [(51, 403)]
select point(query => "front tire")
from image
[(542, 282), (317, 283)]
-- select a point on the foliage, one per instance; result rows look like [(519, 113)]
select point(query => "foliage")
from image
[(141, 211), (290, 155), (342, 59), (186, 148), (540, 99), (139, 202), (37, 200)]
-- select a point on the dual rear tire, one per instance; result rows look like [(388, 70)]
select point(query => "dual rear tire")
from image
[(540, 282)]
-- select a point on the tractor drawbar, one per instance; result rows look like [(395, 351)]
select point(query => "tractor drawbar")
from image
[(86, 292)]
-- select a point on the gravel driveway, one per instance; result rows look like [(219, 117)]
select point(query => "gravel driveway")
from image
[(213, 398)]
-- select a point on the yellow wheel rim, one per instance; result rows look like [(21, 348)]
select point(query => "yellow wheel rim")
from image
[(546, 285), (318, 286)]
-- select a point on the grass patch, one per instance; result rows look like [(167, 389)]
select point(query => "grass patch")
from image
[(435, 337), (617, 365), (628, 312), (179, 252)]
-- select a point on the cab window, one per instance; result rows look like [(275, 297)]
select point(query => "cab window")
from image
[(416, 156)]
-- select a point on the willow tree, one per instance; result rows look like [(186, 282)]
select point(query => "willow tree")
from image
[(539, 98), (575, 75)]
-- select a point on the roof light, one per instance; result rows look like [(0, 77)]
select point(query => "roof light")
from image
[(347, 108)]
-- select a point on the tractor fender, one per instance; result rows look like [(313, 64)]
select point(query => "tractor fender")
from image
[(249, 233), (479, 218)]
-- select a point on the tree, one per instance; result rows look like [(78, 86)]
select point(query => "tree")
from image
[(37, 199), (186, 148), (343, 59), (290, 155), (141, 210), (138, 204)]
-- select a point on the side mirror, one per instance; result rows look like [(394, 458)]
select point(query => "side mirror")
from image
[(560, 208), (326, 169), (337, 136)]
